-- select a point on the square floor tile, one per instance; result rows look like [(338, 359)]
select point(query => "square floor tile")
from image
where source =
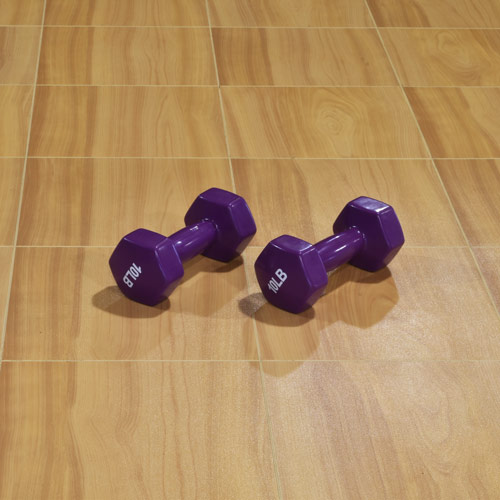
[(66, 305), (127, 121), (321, 123), (304, 13), (18, 53), (428, 13), (489, 262), (430, 303), (127, 13), (309, 194), (11, 172), (132, 56), (445, 57), (386, 429), (474, 187), (301, 57), (97, 202), (134, 430), (21, 12), (15, 103), (458, 122)]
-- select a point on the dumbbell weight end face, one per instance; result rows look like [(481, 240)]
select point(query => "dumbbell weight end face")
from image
[(147, 266), (292, 273)]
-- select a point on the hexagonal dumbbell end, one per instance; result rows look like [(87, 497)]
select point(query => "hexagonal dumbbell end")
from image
[(292, 273), (148, 266), (232, 218)]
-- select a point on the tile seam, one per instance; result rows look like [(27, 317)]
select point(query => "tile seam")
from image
[(21, 191), (443, 187)]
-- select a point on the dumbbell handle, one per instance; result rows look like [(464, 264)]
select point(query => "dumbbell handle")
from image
[(194, 239), (339, 248)]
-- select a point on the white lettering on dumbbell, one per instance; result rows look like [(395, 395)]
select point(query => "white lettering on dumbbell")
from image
[(274, 285), (133, 272)]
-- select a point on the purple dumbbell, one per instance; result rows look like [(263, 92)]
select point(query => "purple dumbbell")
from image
[(148, 266), (293, 273)]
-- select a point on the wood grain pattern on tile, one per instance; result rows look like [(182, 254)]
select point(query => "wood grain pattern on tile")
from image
[(489, 262), (321, 123), (428, 13), (289, 13), (127, 121), (301, 57), (11, 171), (21, 12), (474, 187), (18, 53), (5, 263), (127, 13), (97, 202), (313, 192), (378, 430), (134, 430), (132, 56), (66, 305), (430, 303), (458, 122), (445, 57), (15, 103)]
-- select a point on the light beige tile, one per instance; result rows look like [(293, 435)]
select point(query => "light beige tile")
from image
[(127, 121), (386, 429), (15, 103), (445, 57), (21, 12), (18, 54), (474, 186), (430, 303), (289, 13), (131, 56), (97, 202), (321, 123), (301, 57), (134, 430), (66, 305), (428, 13), (127, 13), (489, 262), (11, 171), (458, 122), (5, 262), (304, 197)]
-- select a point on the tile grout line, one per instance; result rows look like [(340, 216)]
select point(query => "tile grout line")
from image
[(256, 338), (332, 360), (221, 102), (21, 191), (243, 27), (265, 86), (264, 394), (433, 160), (276, 158)]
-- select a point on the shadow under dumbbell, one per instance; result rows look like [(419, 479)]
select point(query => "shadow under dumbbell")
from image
[(294, 337), (111, 300), (202, 264), (209, 286)]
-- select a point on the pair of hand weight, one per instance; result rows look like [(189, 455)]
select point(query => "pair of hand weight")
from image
[(291, 272)]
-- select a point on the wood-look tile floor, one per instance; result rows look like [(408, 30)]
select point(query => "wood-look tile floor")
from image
[(115, 115)]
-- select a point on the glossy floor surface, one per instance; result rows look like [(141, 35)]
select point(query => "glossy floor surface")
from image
[(115, 115)]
